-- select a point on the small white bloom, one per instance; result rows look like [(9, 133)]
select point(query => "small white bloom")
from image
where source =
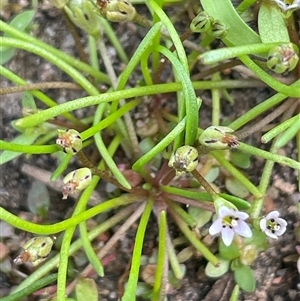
[(272, 225), (228, 223), (285, 5)]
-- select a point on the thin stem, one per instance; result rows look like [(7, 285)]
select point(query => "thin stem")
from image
[(71, 71), (137, 252), (70, 222), (31, 288), (266, 120), (193, 239), (112, 241), (105, 175), (39, 86), (62, 55), (52, 263), (236, 173), (204, 183)]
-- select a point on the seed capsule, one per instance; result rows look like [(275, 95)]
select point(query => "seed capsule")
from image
[(218, 29), (76, 180), (202, 22), (218, 137), (36, 250), (116, 10), (282, 58), (69, 140), (184, 159)]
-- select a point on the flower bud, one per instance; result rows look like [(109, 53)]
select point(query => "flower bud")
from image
[(83, 14), (76, 180), (116, 10), (282, 58), (218, 137), (218, 29), (36, 250), (70, 141), (184, 159), (202, 22)]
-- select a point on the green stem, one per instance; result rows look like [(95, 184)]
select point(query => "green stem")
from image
[(38, 94), (130, 291), (159, 147), (70, 222), (21, 35), (52, 263), (27, 291), (267, 137), (215, 56), (188, 219), (161, 257), (236, 173), (63, 264), (194, 240), (176, 267), (269, 156), (292, 90), (257, 110), (28, 149), (76, 104), (71, 71)]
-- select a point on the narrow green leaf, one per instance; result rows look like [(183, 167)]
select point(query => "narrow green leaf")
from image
[(131, 287), (22, 139)]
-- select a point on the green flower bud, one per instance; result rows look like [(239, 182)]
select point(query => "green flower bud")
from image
[(36, 250), (76, 180), (218, 137), (184, 159), (83, 14), (282, 58), (202, 22), (218, 29), (116, 10), (69, 140)]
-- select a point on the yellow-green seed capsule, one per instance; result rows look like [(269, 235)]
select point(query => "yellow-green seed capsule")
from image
[(116, 10), (36, 250), (218, 29), (202, 22), (69, 140), (218, 137), (184, 159), (282, 58), (76, 180)]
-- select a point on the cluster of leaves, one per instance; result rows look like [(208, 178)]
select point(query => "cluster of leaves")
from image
[(165, 150)]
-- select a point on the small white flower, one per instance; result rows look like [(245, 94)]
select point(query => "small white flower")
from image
[(286, 6), (228, 223), (272, 225)]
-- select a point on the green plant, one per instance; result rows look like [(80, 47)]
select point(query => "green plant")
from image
[(176, 136)]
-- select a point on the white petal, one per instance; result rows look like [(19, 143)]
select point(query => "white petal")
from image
[(243, 229), (241, 215), (263, 224), (216, 227), (282, 222), (270, 234), (280, 231), (272, 214), (227, 236), (225, 211)]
